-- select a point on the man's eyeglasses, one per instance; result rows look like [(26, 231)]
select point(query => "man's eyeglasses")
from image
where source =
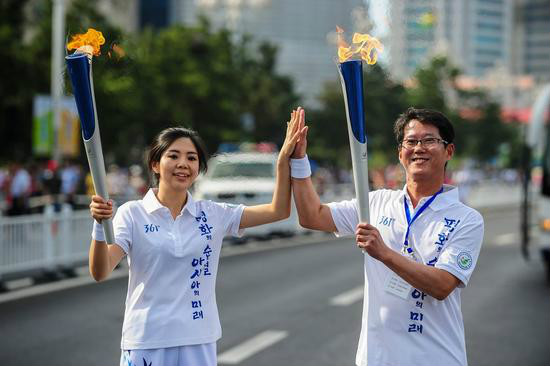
[(427, 142)]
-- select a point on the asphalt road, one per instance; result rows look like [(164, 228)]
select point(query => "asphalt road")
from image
[(294, 306)]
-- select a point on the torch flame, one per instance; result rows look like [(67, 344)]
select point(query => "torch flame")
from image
[(363, 44), (88, 43)]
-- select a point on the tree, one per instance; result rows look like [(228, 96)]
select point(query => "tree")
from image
[(431, 84), (267, 96), (26, 64), (484, 135), (383, 101), (190, 76), (195, 77), (479, 129), (15, 96)]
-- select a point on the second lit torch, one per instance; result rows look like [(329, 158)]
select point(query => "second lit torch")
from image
[(351, 77)]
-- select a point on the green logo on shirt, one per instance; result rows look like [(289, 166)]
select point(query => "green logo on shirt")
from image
[(464, 260)]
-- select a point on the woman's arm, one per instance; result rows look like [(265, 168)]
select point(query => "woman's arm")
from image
[(312, 213), (279, 208), (103, 258)]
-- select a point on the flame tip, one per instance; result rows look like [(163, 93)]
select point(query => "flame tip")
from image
[(89, 42), (364, 44)]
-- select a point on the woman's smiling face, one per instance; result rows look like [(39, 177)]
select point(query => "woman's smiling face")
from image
[(178, 166)]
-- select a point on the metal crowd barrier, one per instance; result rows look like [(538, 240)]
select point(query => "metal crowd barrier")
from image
[(44, 243), (51, 242)]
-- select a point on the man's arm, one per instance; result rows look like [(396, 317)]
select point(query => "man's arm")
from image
[(436, 282), (311, 213)]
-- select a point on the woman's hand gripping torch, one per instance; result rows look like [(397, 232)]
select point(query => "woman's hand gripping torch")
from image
[(79, 66), (351, 77)]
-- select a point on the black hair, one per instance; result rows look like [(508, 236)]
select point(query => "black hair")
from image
[(165, 138), (425, 116)]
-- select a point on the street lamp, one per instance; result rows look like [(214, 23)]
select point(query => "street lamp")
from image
[(58, 54)]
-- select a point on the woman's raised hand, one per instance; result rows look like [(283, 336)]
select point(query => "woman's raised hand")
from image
[(295, 139), (101, 209)]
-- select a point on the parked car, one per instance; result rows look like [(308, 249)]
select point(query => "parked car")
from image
[(249, 179)]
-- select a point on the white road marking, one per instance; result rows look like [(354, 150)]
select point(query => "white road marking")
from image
[(57, 286), (507, 239), (348, 297), (252, 346)]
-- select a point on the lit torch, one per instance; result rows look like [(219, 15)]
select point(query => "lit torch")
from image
[(79, 65), (351, 77)]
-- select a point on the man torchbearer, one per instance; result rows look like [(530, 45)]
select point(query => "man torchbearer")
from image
[(421, 247)]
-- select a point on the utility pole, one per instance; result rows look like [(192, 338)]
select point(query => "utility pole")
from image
[(58, 53)]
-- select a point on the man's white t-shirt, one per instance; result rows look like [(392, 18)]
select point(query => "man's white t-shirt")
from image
[(173, 264), (417, 329)]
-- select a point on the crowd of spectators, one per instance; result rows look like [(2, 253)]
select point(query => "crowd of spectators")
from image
[(28, 188)]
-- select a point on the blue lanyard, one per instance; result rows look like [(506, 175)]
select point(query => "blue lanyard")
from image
[(406, 247)]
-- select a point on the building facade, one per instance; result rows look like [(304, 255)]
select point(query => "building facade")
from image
[(475, 34), (533, 39), (301, 30)]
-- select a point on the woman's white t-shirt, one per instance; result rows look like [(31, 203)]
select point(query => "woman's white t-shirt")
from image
[(171, 298)]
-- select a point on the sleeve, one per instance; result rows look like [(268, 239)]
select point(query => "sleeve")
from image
[(460, 255), (230, 217), (122, 226), (345, 216)]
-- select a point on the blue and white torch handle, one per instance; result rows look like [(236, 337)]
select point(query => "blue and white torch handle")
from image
[(351, 77), (79, 66)]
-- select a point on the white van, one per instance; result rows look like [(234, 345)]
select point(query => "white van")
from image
[(248, 179)]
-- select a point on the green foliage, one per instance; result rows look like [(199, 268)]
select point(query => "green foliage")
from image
[(15, 97), (483, 136), (383, 100), (429, 91), (191, 76), (269, 97), (209, 80)]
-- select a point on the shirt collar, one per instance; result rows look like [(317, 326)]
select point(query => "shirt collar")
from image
[(152, 204), (447, 198)]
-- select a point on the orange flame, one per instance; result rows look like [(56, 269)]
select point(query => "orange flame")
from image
[(89, 43), (363, 44)]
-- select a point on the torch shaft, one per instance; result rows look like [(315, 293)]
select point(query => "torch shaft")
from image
[(99, 178), (80, 72), (360, 169)]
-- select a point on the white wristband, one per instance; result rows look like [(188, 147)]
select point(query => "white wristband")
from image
[(300, 168), (97, 232)]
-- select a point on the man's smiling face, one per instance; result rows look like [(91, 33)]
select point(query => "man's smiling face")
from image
[(421, 162)]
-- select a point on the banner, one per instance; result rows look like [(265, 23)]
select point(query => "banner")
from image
[(43, 129)]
